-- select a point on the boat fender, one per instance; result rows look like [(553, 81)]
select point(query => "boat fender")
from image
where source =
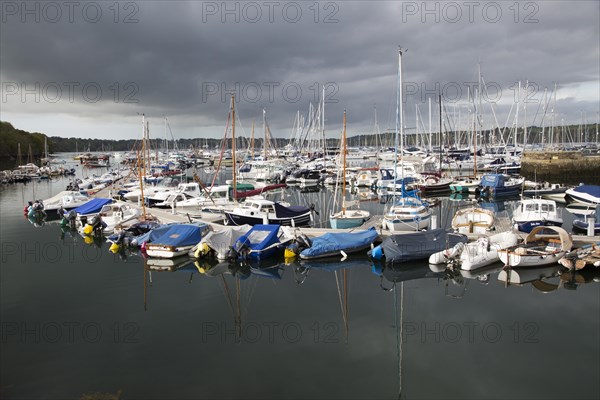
[(114, 248), (88, 229), (202, 250), (290, 252), (377, 253)]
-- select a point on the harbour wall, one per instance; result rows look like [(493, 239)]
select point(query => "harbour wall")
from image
[(570, 167)]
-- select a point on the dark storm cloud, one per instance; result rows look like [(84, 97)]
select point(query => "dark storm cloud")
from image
[(181, 58)]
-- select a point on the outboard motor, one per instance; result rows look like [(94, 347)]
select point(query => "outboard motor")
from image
[(115, 247), (69, 219), (298, 245), (27, 208), (95, 226)]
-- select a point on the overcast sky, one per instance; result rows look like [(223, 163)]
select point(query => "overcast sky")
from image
[(87, 69)]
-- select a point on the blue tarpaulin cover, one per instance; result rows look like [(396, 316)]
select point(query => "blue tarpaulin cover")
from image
[(593, 190), (150, 236), (331, 243), (492, 180), (93, 206), (259, 237), (180, 235)]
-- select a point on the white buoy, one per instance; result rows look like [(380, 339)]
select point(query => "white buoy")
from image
[(266, 219), (591, 225)]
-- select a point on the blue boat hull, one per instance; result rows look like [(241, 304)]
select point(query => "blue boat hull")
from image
[(302, 220), (529, 225), (581, 225)]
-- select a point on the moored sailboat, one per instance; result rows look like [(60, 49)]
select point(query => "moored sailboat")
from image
[(408, 213), (345, 219)]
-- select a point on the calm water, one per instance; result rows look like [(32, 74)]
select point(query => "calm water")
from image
[(77, 319)]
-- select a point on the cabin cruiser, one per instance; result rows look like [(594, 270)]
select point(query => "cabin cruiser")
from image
[(536, 212), (262, 211), (67, 200)]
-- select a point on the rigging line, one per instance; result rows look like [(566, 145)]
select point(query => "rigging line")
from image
[(223, 144)]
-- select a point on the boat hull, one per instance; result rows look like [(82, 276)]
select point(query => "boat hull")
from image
[(527, 226), (529, 260), (407, 225), (159, 251), (582, 226), (236, 219)]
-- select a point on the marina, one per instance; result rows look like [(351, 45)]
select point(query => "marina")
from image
[(300, 200), (225, 306)]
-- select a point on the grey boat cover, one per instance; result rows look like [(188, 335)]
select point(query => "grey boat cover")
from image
[(419, 245), (221, 241)]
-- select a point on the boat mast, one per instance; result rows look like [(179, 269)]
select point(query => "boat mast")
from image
[(525, 116), (265, 133), (430, 132), (323, 127), (517, 115), (553, 108), (142, 165), (399, 119), (19, 156), (440, 135), (344, 166), (474, 138), (166, 138), (252, 142), (233, 144)]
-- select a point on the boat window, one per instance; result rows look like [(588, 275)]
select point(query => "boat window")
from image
[(531, 207)]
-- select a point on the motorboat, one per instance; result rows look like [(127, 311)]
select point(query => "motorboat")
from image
[(500, 185), (262, 211), (415, 245), (536, 212), (175, 241), (66, 200), (220, 242), (587, 194), (262, 241), (332, 244)]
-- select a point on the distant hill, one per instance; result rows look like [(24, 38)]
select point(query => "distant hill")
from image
[(10, 137)]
